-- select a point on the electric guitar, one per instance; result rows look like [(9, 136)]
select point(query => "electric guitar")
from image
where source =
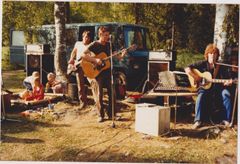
[(207, 80), (92, 70), (73, 67)]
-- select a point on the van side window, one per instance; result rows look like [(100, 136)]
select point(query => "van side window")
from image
[(135, 36), (138, 38), (17, 38), (148, 42)]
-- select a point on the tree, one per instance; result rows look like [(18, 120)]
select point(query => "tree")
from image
[(22, 15), (220, 33), (60, 50)]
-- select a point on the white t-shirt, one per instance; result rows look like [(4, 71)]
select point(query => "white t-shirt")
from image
[(29, 79), (80, 49)]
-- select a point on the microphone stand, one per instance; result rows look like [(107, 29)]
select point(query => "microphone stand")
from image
[(112, 83)]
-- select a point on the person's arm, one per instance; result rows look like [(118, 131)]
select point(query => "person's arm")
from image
[(190, 72), (73, 56), (87, 56)]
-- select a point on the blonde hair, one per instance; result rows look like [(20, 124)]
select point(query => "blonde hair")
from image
[(211, 48), (51, 75), (36, 81), (35, 74)]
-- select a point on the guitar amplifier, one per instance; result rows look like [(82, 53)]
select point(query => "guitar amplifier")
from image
[(162, 55), (37, 49)]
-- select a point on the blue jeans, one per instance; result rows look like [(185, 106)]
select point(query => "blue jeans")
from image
[(205, 100), (27, 85)]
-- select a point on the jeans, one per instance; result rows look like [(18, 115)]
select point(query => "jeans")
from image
[(81, 87), (27, 85), (97, 85), (206, 99)]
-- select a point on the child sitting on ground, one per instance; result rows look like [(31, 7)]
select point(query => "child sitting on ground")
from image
[(28, 81), (53, 85), (36, 94)]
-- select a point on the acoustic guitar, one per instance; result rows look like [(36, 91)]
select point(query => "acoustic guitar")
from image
[(92, 70), (207, 80)]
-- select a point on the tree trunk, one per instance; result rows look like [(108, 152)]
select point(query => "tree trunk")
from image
[(220, 31), (60, 60), (138, 11)]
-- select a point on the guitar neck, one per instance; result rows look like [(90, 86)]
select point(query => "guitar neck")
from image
[(220, 80), (116, 54)]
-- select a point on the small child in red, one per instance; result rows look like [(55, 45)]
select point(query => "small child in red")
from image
[(36, 94)]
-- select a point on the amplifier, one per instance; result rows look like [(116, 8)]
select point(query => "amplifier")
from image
[(152, 119), (37, 49), (161, 55)]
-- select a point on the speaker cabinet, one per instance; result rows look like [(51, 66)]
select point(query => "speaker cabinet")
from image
[(41, 63), (154, 67)]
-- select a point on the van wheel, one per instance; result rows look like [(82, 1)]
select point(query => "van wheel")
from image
[(120, 85)]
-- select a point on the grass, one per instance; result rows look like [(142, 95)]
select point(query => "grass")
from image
[(76, 136)]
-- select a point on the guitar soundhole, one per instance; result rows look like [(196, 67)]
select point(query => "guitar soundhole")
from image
[(99, 67)]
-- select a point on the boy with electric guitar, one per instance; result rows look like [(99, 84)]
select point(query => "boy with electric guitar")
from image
[(211, 80), (74, 66)]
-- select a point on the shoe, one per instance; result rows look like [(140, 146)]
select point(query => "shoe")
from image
[(100, 119), (226, 123), (196, 125)]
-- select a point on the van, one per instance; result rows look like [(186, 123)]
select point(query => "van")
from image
[(129, 73)]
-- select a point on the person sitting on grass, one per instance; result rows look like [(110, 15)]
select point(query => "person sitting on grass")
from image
[(53, 85), (36, 94)]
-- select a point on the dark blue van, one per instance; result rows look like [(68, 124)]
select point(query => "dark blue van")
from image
[(131, 72)]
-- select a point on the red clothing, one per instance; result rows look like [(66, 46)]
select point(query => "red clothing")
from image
[(37, 93)]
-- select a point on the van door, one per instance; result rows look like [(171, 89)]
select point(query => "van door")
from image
[(17, 41), (137, 60)]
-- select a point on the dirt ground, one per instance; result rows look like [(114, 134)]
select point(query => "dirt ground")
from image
[(66, 133)]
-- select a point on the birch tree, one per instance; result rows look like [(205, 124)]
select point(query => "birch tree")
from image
[(60, 59), (220, 33)]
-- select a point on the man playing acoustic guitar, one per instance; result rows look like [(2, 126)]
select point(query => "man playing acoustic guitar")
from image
[(204, 74), (77, 53), (100, 46)]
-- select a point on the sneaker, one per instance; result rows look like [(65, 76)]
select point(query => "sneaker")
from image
[(226, 123), (196, 125), (100, 119)]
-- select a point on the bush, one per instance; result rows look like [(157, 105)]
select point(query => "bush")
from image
[(185, 57)]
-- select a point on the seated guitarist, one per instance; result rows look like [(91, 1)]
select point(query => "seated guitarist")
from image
[(77, 52), (104, 78), (216, 93)]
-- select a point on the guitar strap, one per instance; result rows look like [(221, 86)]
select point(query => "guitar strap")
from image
[(215, 72)]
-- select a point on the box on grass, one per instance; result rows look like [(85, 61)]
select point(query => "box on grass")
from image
[(152, 119)]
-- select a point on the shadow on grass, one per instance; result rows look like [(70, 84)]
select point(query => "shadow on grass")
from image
[(8, 139), (23, 125), (72, 154)]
